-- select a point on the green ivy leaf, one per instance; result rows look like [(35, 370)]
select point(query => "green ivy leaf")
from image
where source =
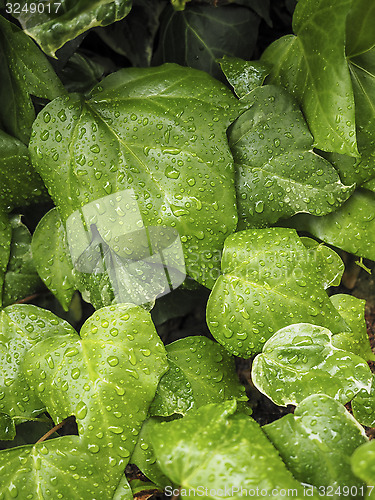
[(244, 76), (153, 135), (300, 360), (363, 465), (328, 264), (21, 278), (123, 491), (107, 378), (5, 241), (345, 227), (61, 466), (363, 406), (268, 282), (7, 427), (214, 448), (63, 21), (52, 257), (199, 35), (200, 372), (321, 85), (316, 443), (25, 72), (22, 326), (277, 173), (357, 341)]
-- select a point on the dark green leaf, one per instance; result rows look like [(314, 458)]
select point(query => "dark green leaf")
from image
[(269, 281), (5, 239), (21, 327), (316, 444), (363, 406), (313, 67), (277, 173), (52, 257), (200, 372), (300, 360), (25, 72), (63, 21), (244, 76), (158, 131), (81, 74), (199, 35)]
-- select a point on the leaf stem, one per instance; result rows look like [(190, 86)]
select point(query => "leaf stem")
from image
[(52, 431)]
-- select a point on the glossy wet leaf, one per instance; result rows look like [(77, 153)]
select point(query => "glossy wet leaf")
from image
[(108, 376), (327, 262), (300, 360), (345, 228), (65, 20), (5, 240), (25, 72), (19, 183), (52, 257), (363, 406), (21, 279), (59, 466), (22, 326), (312, 66), (214, 448), (244, 76), (200, 372), (269, 281), (200, 34), (363, 465), (7, 427), (123, 491), (317, 441), (145, 130), (357, 340), (277, 173)]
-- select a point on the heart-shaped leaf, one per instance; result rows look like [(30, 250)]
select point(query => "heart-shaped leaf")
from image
[(300, 360), (22, 326), (316, 443), (269, 281)]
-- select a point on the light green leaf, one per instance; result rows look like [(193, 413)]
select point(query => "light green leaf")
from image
[(52, 257), (277, 173), (327, 262), (268, 282), (214, 448), (21, 327), (107, 376), (60, 466), (363, 465), (5, 240), (244, 76), (316, 443), (158, 130), (21, 278), (345, 228), (123, 491), (25, 72), (357, 341), (200, 372), (363, 406), (7, 427), (300, 360), (63, 21), (313, 67)]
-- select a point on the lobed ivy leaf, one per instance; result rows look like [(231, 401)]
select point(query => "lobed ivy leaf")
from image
[(22, 326), (217, 449), (345, 227), (106, 377), (363, 465), (145, 130), (63, 21), (7, 427), (312, 65), (300, 360), (200, 34), (316, 443), (277, 173), (200, 372), (52, 257), (61, 466), (5, 241), (21, 278), (269, 281), (357, 340), (25, 72), (363, 406), (244, 76), (327, 262)]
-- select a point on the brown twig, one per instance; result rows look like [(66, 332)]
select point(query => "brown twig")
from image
[(51, 431), (26, 299)]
